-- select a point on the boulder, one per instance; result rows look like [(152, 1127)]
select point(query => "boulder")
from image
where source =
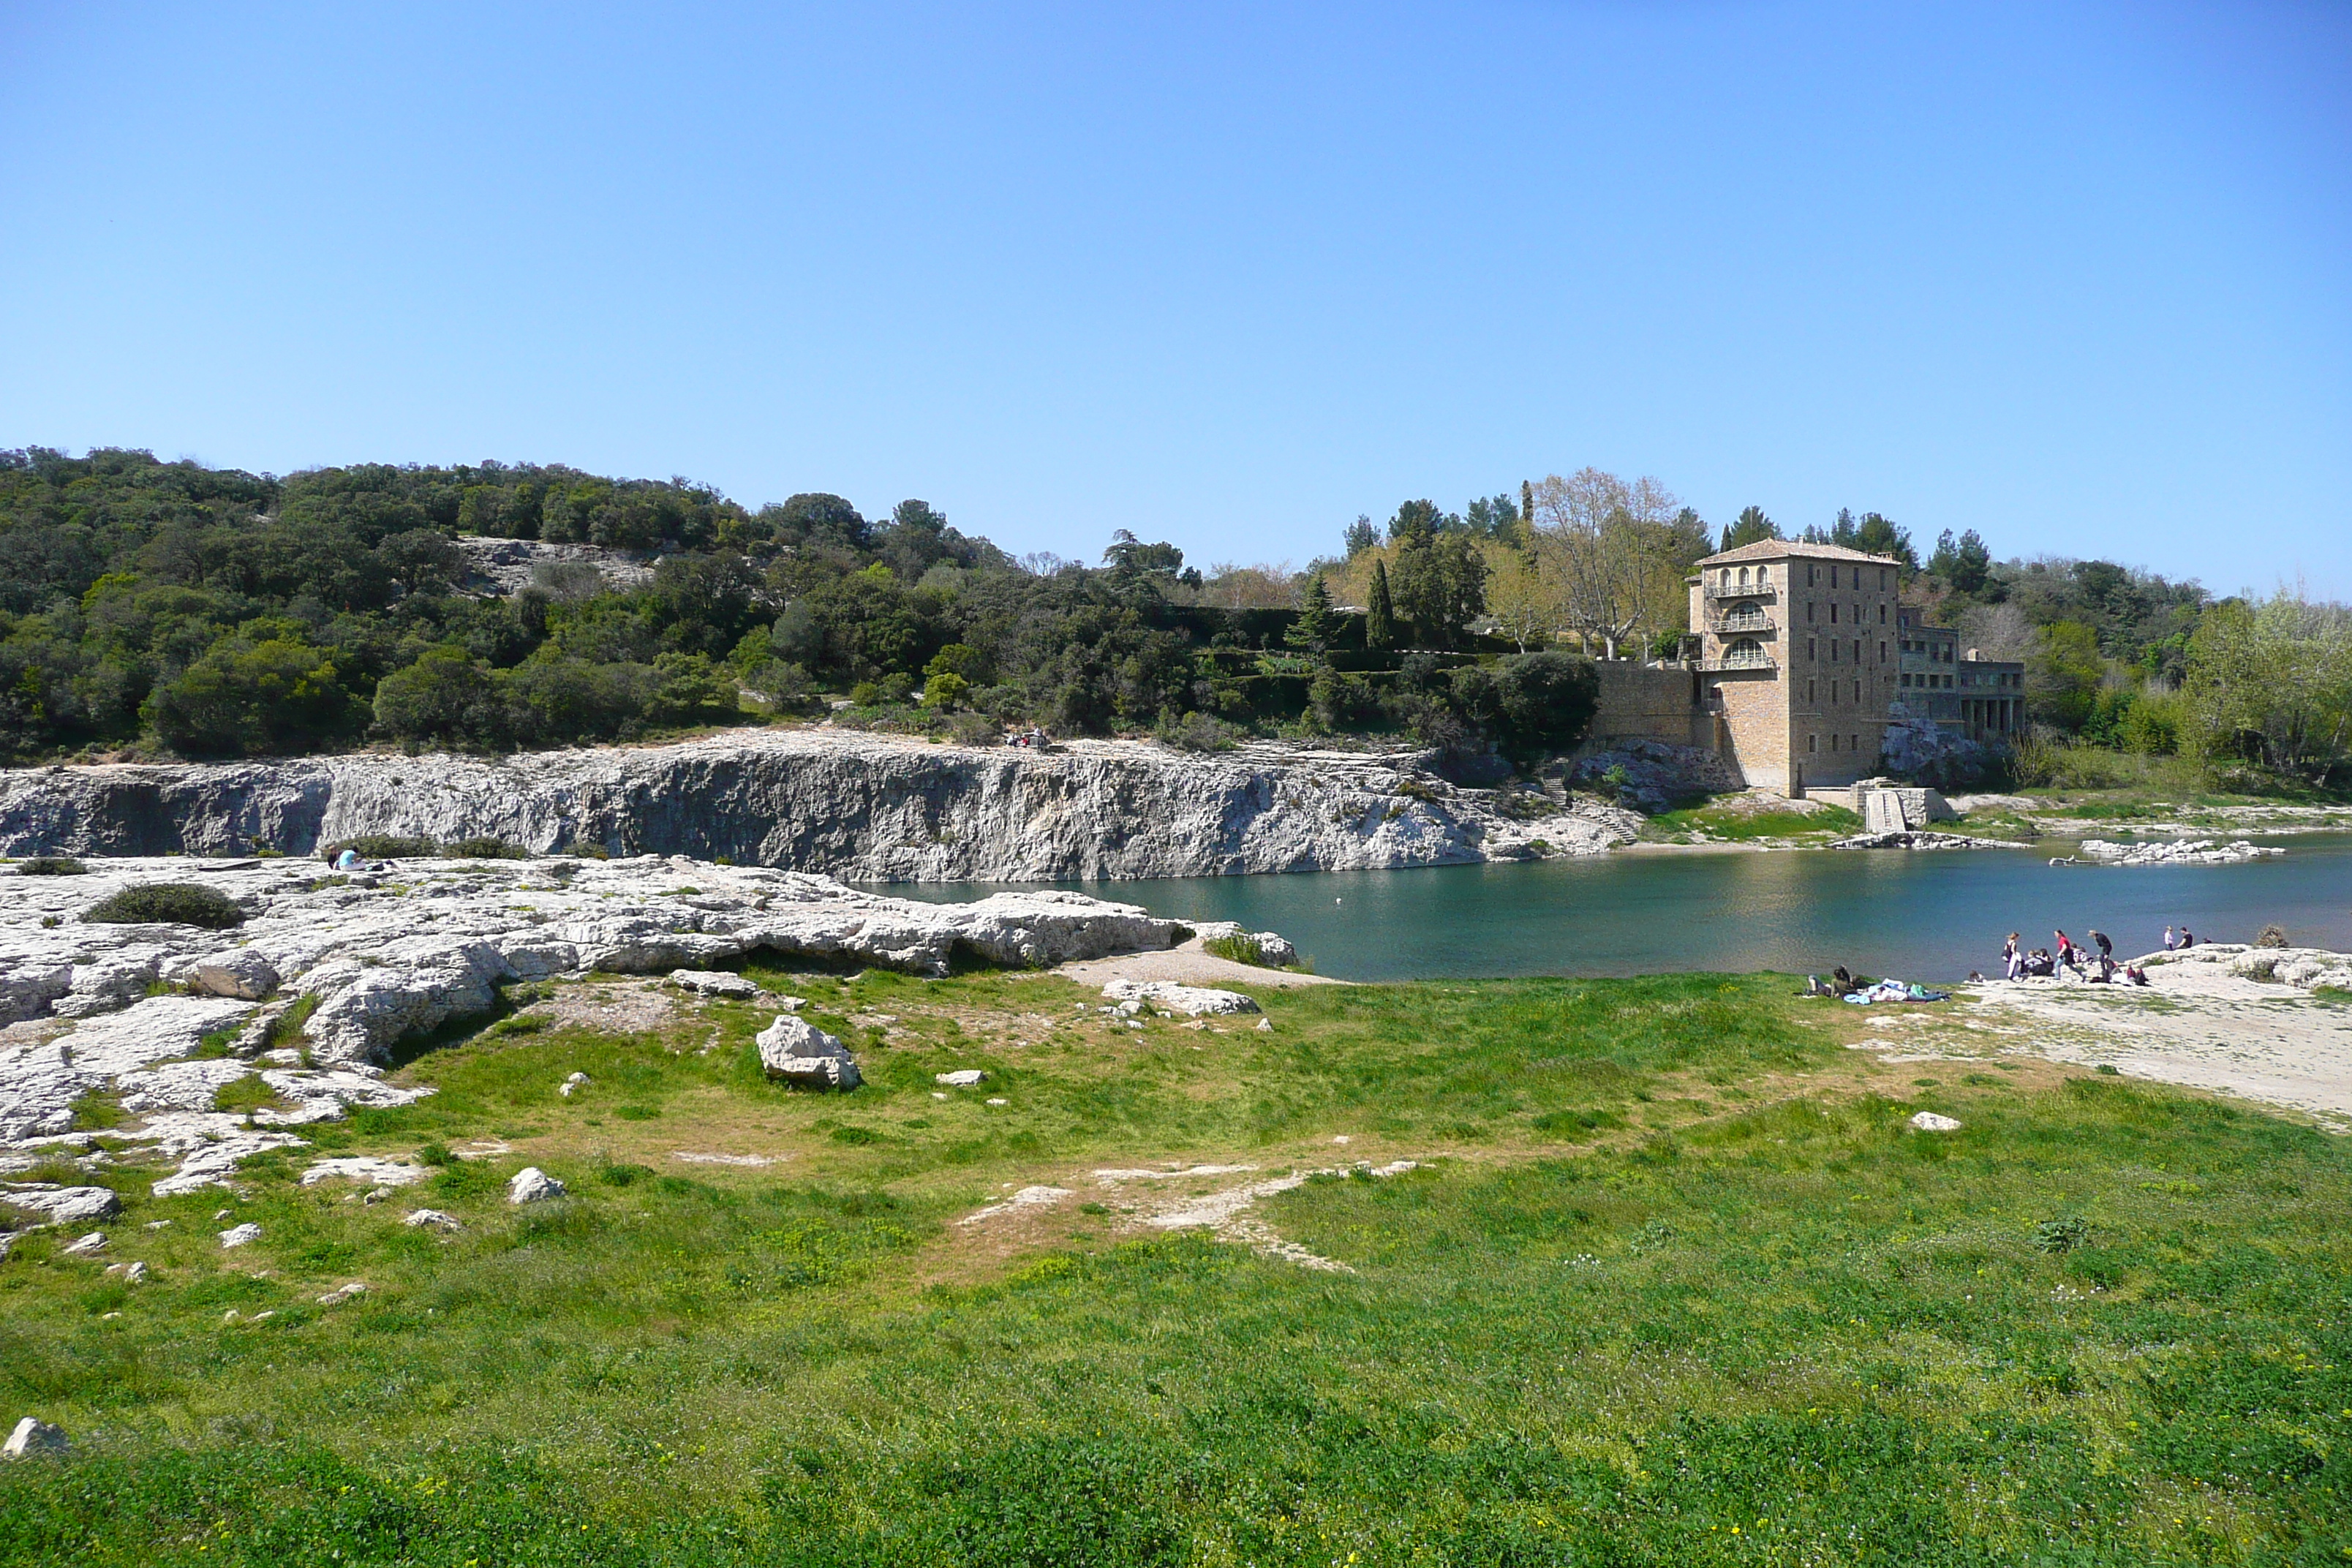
[(240, 1235), (799, 1053), (715, 983), (1929, 1122), (435, 1218), (530, 1186), (241, 972), (364, 1168), (1194, 1000), (34, 1440), (963, 1077), (63, 1205), (85, 1247)]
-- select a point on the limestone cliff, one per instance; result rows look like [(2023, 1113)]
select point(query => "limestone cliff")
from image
[(858, 807)]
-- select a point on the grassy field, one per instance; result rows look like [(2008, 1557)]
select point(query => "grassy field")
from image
[(1673, 1282), (1742, 824)]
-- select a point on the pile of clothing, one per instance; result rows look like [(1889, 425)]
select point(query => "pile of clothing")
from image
[(1863, 992)]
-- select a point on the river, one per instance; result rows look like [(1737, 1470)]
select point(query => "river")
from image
[(1931, 916)]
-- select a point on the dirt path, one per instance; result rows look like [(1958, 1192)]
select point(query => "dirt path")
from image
[(2195, 1025)]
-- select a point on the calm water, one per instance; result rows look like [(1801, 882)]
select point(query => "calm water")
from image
[(1928, 916)]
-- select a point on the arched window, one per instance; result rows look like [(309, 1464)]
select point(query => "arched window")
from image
[(1743, 576), (1746, 651), (1763, 575)]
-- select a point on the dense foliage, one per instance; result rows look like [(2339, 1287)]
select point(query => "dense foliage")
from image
[(214, 613)]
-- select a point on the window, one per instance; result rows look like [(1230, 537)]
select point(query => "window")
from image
[(1833, 612), (1810, 696), (1834, 642), (1857, 691), (1810, 578), (1882, 650), (1809, 610), (1906, 680), (1743, 576), (1810, 653), (1882, 611), (1809, 741), (1763, 575), (1882, 579), (1833, 742), (1853, 742)]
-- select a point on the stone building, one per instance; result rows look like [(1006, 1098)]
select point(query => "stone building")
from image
[(1981, 698), (1798, 660)]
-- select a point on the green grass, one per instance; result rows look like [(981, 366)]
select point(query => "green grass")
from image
[(1619, 1315), (1715, 822)]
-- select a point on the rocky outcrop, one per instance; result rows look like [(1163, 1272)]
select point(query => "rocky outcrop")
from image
[(2166, 852), (1914, 746), (1919, 840), (794, 1051), (1652, 775), (348, 965), (859, 807), (2306, 968)]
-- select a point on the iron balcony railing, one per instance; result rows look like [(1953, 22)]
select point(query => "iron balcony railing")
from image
[(1739, 661), (1714, 589), (1731, 622)]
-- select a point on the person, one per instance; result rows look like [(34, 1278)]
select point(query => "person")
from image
[(2069, 955), (1976, 978), (2171, 942), (2106, 948), (2188, 939), (2011, 962), (2135, 975), (349, 860)]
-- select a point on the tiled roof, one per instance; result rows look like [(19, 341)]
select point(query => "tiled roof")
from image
[(1777, 549)]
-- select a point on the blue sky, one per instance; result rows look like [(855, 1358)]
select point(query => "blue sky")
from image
[(2079, 277)]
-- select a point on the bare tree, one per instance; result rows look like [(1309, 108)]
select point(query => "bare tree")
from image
[(1604, 546)]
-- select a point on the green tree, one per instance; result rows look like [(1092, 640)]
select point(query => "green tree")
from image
[(443, 696), (2062, 675), (2272, 683), (1748, 528), (1962, 565), (1380, 621), (1314, 627), (1440, 585), (251, 697)]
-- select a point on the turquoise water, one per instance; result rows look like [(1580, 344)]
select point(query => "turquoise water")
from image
[(1921, 916)]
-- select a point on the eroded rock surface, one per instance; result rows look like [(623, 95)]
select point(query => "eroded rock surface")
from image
[(861, 807), (345, 967)]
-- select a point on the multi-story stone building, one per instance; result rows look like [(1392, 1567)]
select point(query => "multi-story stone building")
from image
[(1798, 660), (1982, 698)]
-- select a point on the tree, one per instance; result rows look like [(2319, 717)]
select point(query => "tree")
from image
[(1493, 517), (1748, 528), (1609, 550), (1516, 595), (1439, 585), (2062, 675), (249, 696), (1380, 620), (443, 696), (1129, 557), (2272, 682), (1962, 566), (1361, 536), (1415, 521), (1312, 629)]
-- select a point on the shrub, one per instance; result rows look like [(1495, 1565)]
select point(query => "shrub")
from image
[(587, 849), (2271, 936), (1237, 949), (484, 850), (1198, 732), (382, 847), (2058, 1236), (167, 903), (51, 866)]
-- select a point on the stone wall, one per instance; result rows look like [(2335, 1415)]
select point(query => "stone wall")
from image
[(1641, 703)]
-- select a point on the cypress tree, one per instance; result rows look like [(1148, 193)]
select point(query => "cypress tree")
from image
[(1311, 630), (1380, 625)]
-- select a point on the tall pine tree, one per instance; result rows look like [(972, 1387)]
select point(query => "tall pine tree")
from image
[(1310, 631), (1380, 625)]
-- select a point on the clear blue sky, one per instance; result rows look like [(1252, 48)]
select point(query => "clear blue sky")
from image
[(2079, 277)]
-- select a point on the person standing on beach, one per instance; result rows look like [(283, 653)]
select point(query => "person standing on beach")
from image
[(2171, 940), (2013, 961), (2106, 948)]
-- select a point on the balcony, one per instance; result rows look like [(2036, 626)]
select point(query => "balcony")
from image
[(1714, 589), (1732, 623), (1737, 662)]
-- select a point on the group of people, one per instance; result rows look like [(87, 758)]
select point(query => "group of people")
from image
[(2096, 963)]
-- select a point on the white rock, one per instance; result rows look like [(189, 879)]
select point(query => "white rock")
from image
[(1265, 1026), (132, 1273), (435, 1218), (34, 1440), (63, 1205), (531, 1185), (238, 1234), (1195, 1000), (1272, 947), (336, 1298), (799, 1053), (84, 1247), (240, 971), (715, 983), (962, 1078), (1929, 1122), (364, 1168), (1000, 1102)]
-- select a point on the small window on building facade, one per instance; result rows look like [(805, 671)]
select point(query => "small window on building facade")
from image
[(1881, 615), (1809, 741), (1810, 696), (1882, 579), (1832, 612), (1810, 653), (1763, 575), (1882, 651), (1833, 742)]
